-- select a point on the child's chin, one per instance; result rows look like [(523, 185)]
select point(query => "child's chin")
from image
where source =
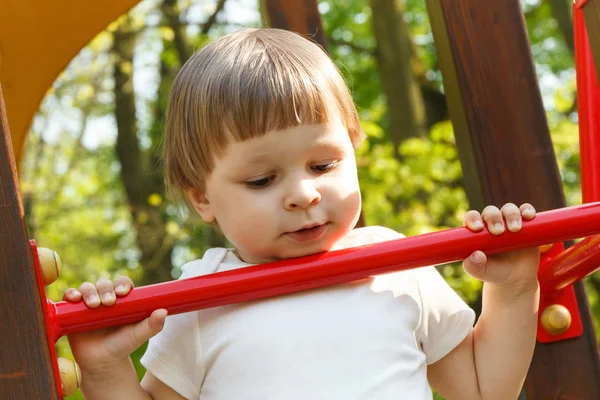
[(308, 251)]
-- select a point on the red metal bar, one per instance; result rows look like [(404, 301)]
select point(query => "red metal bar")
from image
[(588, 97), (571, 265), (47, 320), (323, 269), (561, 269)]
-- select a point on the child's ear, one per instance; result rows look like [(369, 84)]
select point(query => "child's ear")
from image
[(201, 204)]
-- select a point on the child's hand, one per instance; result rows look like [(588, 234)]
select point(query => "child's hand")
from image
[(97, 350), (516, 270)]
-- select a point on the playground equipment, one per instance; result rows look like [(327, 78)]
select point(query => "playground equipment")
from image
[(330, 268), (565, 363)]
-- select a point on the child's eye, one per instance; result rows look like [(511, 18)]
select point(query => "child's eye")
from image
[(260, 183), (325, 167)]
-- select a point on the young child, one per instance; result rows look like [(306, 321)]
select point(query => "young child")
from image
[(260, 139)]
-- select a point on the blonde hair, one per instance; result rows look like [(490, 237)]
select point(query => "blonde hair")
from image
[(242, 86)]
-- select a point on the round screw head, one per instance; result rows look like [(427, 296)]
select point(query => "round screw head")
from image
[(556, 319)]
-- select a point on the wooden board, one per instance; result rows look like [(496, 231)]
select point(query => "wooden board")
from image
[(300, 16), (25, 365), (506, 153)]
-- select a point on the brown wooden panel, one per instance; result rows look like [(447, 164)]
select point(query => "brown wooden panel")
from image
[(300, 16), (506, 151), (25, 362)]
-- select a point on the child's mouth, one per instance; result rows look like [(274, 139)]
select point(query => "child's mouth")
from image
[(308, 234)]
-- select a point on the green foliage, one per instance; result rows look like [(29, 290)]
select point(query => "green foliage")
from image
[(421, 192)]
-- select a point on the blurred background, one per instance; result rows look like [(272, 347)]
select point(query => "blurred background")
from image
[(91, 175)]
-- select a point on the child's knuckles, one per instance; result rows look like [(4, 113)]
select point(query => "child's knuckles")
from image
[(473, 220), (512, 215), (472, 215), (108, 298), (104, 285), (510, 210), (123, 285), (527, 210), (490, 210), (92, 300), (87, 288), (495, 226), (124, 281), (491, 213), (71, 294), (526, 206)]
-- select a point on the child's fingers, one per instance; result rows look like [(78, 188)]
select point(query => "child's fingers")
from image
[(123, 285), (72, 295), (89, 294), (512, 216), (493, 218), (527, 211), (106, 291), (130, 337), (476, 265), (156, 321), (473, 220)]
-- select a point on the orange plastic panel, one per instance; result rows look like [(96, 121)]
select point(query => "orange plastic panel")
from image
[(38, 38)]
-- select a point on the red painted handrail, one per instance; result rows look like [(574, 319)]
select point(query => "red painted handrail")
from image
[(323, 269), (583, 258), (588, 103), (571, 265)]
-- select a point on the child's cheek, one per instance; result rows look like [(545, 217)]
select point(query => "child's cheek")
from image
[(344, 183)]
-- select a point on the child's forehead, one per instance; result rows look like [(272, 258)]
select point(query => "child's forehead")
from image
[(288, 142)]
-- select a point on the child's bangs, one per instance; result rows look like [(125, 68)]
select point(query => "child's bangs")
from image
[(275, 95)]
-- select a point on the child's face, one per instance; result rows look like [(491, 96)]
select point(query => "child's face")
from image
[(265, 192)]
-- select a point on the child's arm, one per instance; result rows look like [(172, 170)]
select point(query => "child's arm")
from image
[(492, 362), (103, 355), (121, 382)]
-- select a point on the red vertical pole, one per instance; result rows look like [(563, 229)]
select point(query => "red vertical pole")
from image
[(588, 97)]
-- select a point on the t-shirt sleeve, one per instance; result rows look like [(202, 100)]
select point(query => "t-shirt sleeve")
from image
[(446, 319), (173, 356)]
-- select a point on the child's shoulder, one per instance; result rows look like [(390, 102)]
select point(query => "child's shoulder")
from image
[(379, 232), (373, 234), (208, 264), (368, 235)]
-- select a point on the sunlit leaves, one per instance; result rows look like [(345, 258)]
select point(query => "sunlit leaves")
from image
[(419, 193)]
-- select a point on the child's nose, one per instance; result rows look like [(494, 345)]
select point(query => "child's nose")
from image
[(302, 195)]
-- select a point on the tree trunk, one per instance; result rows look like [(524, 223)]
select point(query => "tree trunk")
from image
[(171, 15), (561, 11), (139, 181), (406, 109)]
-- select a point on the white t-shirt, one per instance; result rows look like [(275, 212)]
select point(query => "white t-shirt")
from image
[(369, 339)]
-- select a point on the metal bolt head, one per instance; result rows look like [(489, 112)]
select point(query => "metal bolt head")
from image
[(556, 319)]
